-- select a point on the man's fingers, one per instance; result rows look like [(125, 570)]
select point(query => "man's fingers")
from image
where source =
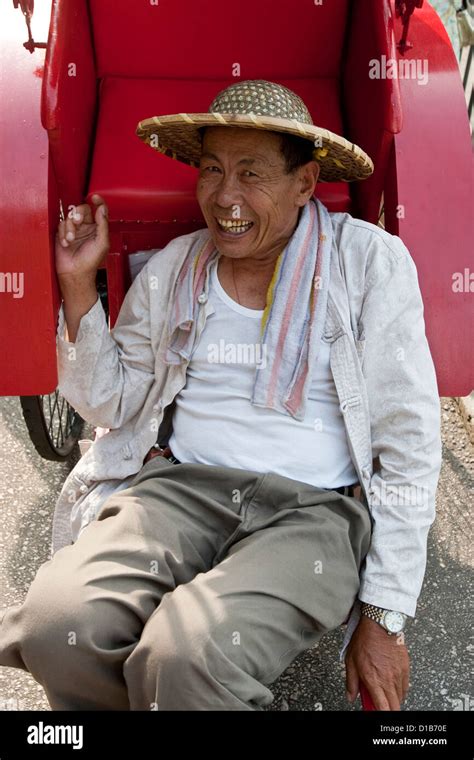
[(378, 697), (62, 234), (392, 698), (84, 213), (81, 214), (102, 226), (398, 684), (71, 230), (386, 696), (97, 200), (352, 680), (405, 685)]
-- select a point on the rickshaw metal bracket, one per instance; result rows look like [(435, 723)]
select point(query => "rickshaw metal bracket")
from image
[(27, 8), (404, 9)]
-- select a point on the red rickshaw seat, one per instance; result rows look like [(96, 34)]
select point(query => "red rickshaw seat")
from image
[(205, 40), (139, 184), (153, 63)]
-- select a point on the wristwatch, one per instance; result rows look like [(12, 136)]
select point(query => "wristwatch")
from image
[(393, 622)]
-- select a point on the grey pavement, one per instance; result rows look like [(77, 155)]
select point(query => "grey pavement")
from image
[(438, 640)]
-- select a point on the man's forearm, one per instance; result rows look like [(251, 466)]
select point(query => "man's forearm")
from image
[(108, 376), (79, 296)]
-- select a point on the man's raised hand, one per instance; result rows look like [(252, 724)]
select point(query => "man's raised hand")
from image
[(82, 241)]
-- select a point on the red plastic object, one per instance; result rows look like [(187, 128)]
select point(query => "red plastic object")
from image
[(28, 204), (69, 97), (365, 698), (428, 198)]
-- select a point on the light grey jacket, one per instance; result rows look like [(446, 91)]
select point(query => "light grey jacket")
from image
[(382, 369)]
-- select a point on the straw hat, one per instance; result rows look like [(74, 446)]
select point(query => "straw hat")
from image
[(257, 104)]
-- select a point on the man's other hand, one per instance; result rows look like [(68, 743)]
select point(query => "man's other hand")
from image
[(381, 662)]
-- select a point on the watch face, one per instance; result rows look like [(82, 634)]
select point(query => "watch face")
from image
[(394, 621)]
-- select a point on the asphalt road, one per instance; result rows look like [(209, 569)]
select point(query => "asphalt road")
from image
[(438, 640)]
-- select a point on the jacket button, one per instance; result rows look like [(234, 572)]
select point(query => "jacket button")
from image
[(202, 298), (83, 488)]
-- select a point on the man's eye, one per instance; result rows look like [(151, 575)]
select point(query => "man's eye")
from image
[(210, 168), (249, 173)]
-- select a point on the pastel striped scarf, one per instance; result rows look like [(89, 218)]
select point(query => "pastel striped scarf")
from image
[(293, 319)]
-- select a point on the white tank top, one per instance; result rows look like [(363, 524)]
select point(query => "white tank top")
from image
[(215, 423)]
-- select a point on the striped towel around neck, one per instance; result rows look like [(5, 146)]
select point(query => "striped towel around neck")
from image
[(293, 319)]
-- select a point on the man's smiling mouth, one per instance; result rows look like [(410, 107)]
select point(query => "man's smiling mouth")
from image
[(234, 226)]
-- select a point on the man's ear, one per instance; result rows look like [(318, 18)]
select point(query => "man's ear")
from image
[(308, 179)]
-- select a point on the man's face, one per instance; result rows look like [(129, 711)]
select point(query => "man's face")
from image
[(242, 178)]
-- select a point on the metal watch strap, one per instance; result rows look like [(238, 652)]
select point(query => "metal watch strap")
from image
[(378, 614), (374, 613)]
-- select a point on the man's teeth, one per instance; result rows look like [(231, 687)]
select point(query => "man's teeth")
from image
[(235, 226)]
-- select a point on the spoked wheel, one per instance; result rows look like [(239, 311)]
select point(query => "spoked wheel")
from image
[(54, 426)]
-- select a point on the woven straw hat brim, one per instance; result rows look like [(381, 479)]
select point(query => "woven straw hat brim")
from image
[(176, 136)]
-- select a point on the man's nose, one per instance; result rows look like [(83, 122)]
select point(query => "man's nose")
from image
[(227, 192)]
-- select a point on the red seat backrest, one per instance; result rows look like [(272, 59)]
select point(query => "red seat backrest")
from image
[(205, 39), (167, 56), (166, 41)]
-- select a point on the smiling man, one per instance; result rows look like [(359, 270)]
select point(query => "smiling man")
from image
[(273, 446)]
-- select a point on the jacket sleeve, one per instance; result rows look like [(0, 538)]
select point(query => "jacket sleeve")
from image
[(405, 428), (106, 375)]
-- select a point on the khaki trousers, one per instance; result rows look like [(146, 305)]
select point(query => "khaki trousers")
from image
[(194, 589)]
